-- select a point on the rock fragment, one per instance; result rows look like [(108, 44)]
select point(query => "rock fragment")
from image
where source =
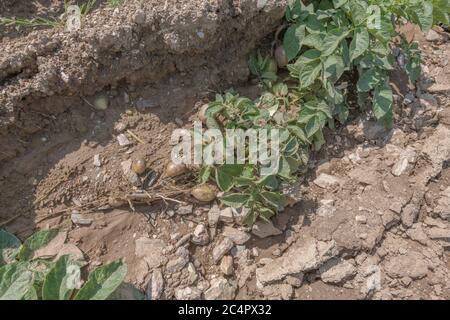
[(326, 181), (151, 250), (155, 286), (226, 265), (335, 271), (263, 229), (305, 255), (221, 249), (237, 236), (221, 289), (200, 235)]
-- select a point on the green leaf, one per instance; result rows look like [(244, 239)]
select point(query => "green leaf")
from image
[(235, 200), (312, 126), (292, 41), (359, 44), (31, 294), (382, 104), (425, 15), (226, 174), (35, 242), (368, 80), (9, 245), (15, 281), (277, 200), (333, 68), (288, 166), (299, 133), (103, 281), (332, 40), (205, 174), (61, 280), (269, 182), (309, 73)]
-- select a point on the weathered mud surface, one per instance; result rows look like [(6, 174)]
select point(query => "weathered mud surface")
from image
[(141, 43), (372, 217)]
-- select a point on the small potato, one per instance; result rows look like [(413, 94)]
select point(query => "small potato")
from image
[(173, 170), (203, 193), (139, 165), (281, 57)]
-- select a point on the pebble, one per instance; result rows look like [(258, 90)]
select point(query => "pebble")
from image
[(123, 140), (80, 220)]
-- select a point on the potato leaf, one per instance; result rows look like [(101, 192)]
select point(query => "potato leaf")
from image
[(103, 281)]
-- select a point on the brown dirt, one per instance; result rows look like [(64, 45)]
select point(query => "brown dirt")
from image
[(156, 71)]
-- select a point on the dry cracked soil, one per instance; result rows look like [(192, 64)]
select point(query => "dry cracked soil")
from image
[(370, 220)]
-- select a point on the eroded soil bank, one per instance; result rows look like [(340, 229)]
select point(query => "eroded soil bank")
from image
[(372, 219)]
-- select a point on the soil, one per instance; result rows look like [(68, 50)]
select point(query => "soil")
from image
[(157, 63)]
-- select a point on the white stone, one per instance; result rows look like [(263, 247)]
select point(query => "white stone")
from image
[(326, 181)]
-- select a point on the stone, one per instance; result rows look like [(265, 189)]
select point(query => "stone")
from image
[(151, 250), (222, 249), (237, 236), (434, 222), (180, 260), (192, 273), (80, 219), (129, 174), (213, 215), (412, 264), (405, 162), (326, 208), (278, 291), (439, 88), (263, 229), (305, 255), (226, 265), (185, 210), (226, 215), (221, 289), (97, 160), (335, 271), (200, 235), (416, 233), (188, 293), (123, 140), (183, 240), (155, 286), (433, 36), (295, 280), (443, 205), (436, 233), (409, 215), (326, 181), (389, 219), (361, 219)]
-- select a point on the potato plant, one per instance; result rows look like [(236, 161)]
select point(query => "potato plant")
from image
[(23, 277), (325, 42)]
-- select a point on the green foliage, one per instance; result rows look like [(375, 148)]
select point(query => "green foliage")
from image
[(324, 41), (24, 277), (264, 67), (115, 3)]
